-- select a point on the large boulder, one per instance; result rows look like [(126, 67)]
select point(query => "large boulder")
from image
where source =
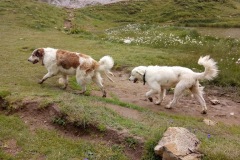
[(178, 144)]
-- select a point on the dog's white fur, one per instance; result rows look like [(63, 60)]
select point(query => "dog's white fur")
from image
[(160, 78), (66, 63)]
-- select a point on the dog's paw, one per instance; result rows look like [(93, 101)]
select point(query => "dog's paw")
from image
[(104, 94), (150, 99), (40, 82), (64, 87), (158, 102), (168, 106)]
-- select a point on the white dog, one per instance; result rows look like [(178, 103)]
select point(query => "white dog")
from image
[(161, 78), (66, 63)]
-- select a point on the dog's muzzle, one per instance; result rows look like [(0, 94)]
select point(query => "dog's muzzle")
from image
[(33, 62)]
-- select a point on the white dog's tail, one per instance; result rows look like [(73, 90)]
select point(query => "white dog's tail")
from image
[(106, 64), (211, 68)]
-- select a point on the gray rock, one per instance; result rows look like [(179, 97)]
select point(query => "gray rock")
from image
[(178, 144)]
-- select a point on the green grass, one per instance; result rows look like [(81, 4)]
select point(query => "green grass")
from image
[(49, 144), (28, 25), (182, 13)]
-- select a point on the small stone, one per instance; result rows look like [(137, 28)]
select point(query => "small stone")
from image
[(214, 101), (209, 122)]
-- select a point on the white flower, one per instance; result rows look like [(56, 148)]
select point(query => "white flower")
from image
[(127, 41)]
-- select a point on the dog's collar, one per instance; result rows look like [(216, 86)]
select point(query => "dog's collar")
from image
[(144, 78)]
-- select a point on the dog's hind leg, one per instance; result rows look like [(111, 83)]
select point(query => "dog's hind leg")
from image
[(180, 87), (81, 80), (82, 83), (198, 94), (98, 80)]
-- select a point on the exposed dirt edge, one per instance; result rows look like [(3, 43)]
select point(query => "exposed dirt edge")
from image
[(36, 118)]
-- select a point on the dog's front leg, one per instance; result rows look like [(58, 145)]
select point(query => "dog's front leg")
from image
[(48, 75), (155, 88), (52, 71), (161, 96), (64, 81), (149, 94)]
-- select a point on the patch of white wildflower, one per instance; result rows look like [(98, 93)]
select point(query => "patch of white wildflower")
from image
[(151, 35)]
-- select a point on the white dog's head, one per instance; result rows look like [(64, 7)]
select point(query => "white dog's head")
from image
[(36, 55), (238, 61), (137, 73)]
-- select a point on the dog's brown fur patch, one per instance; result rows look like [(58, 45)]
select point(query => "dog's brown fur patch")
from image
[(84, 56), (67, 59), (89, 66)]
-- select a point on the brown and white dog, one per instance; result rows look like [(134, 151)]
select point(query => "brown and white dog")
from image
[(63, 62)]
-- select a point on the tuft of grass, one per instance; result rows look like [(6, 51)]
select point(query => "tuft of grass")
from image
[(131, 142), (59, 121), (4, 94)]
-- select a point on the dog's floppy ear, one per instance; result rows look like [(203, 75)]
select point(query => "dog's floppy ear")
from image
[(141, 72), (39, 52)]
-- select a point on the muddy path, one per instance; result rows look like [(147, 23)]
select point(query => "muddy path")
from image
[(227, 111)]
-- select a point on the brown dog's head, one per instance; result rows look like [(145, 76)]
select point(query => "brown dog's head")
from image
[(36, 56)]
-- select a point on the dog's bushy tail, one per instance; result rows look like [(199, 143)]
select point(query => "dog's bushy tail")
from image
[(211, 68), (106, 64)]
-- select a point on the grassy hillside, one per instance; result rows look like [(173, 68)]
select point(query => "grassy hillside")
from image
[(27, 24), (222, 13)]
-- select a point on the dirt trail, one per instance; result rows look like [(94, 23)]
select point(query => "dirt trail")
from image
[(227, 111)]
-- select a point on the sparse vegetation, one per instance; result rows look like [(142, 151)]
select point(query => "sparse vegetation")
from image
[(155, 29)]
